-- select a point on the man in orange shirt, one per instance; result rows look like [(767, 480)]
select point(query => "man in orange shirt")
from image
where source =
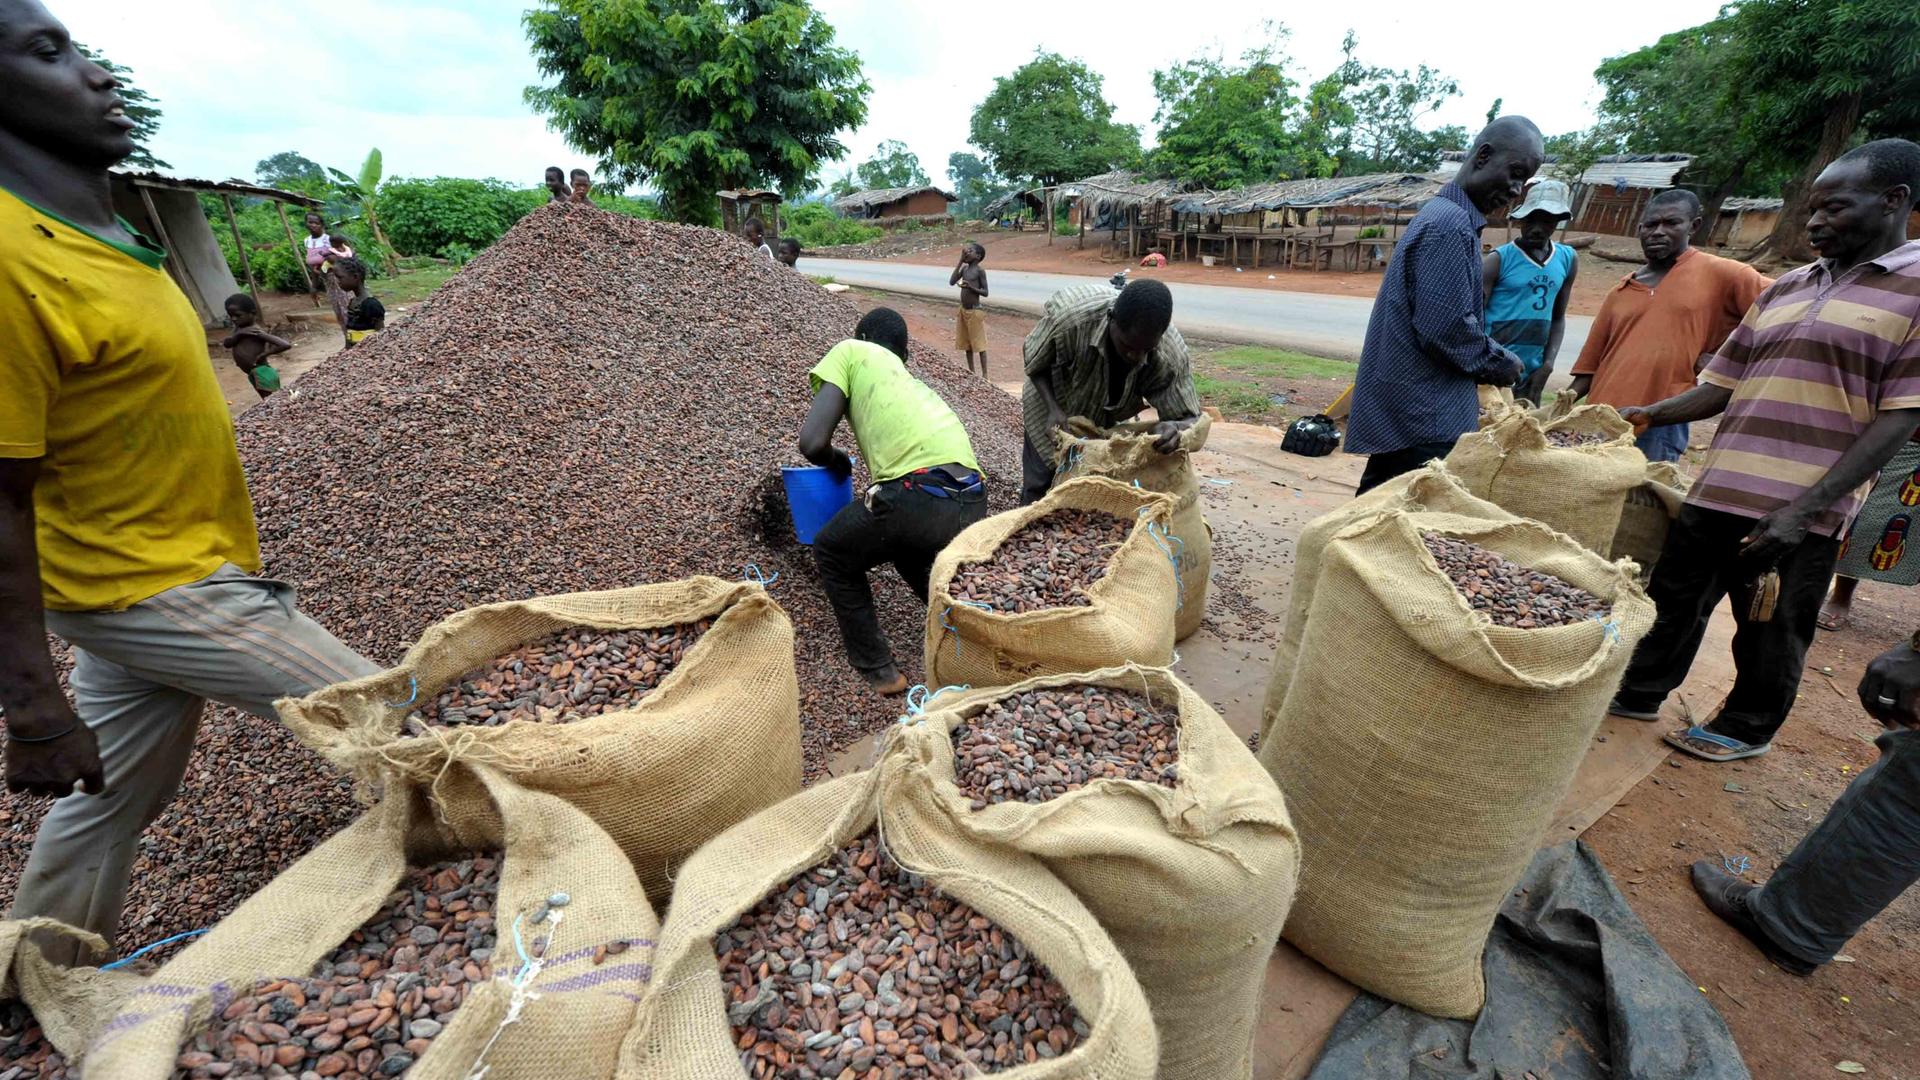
[(1664, 321)]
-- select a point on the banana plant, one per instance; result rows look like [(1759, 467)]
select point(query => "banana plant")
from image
[(363, 192)]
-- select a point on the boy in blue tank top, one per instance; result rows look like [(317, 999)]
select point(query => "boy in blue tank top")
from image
[(1527, 282)]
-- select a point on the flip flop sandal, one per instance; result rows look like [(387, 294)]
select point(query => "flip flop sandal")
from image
[(1832, 623), (1718, 747)]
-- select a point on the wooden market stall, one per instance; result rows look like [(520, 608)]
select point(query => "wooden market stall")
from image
[(166, 208)]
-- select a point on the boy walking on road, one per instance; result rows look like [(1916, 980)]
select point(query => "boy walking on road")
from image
[(970, 333), (1527, 283), (1820, 387), (125, 524), (1658, 328)]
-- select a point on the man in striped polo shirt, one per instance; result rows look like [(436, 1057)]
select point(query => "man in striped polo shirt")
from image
[(1820, 385)]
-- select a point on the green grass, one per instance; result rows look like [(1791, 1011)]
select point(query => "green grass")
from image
[(1262, 362), (823, 279), (411, 286), (1234, 399)]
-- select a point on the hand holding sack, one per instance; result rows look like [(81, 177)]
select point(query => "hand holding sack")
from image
[(1648, 513), (1128, 619), (1126, 453), (646, 773), (1572, 474), (1431, 489), (686, 1031), (1421, 743), (1192, 881)]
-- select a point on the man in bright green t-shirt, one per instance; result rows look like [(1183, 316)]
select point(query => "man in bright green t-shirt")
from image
[(927, 485)]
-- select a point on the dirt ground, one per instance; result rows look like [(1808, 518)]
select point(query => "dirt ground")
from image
[(313, 331), (1863, 1010), (1030, 251)]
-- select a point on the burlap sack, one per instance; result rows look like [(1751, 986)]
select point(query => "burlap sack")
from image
[(717, 740), (567, 1014), (1648, 512), (1432, 488), (683, 1032), (1578, 490), (69, 1004), (1495, 402), (1192, 882), (1126, 453), (1423, 749), (1129, 621)]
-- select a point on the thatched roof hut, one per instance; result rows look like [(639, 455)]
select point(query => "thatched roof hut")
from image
[(894, 202)]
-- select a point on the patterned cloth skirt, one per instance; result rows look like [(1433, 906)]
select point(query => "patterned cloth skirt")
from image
[(1885, 542)]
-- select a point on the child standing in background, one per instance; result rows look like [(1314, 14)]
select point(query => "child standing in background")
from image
[(365, 313), (250, 344), (971, 332)]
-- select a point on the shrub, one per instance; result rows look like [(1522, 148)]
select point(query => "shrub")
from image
[(1371, 232), (815, 226), (423, 216), (457, 254)]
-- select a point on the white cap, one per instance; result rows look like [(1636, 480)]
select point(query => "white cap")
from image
[(1548, 195)]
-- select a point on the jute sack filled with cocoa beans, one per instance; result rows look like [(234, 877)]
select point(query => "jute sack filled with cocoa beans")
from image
[(1126, 453), (958, 984), (1127, 616), (571, 934), (1648, 513), (715, 740), (1572, 474), (1431, 489), (1191, 873), (1495, 402), (1425, 742)]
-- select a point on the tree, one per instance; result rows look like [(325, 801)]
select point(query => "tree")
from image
[(1376, 127), (142, 109), (1227, 125), (1817, 75), (693, 96), (1049, 122), (288, 170), (362, 192), (892, 166), (974, 182)]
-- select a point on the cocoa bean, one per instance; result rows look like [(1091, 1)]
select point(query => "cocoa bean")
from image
[(1566, 439), (25, 1053), (1041, 745), (565, 676), (1049, 562), (1511, 594)]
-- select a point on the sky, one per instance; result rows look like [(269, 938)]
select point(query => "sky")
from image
[(435, 84)]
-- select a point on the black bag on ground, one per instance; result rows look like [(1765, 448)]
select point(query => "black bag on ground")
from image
[(1312, 436)]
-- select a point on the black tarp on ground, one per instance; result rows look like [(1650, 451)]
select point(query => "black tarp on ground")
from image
[(1577, 989)]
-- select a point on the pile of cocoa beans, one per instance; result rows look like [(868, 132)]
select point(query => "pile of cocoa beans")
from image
[(1565, 439), (375, 1002), (25, 1053), (565, 676), (1511, 594), (1049, 563), (1041, 745), (858, 969)]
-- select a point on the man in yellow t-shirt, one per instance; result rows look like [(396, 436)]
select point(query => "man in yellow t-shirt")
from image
[(125, 524), (927, 485)]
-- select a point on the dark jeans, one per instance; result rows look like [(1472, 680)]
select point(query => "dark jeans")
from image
[(906, 527), (1859, 859), (1384, 467), (1036, 473), (1698, 567)]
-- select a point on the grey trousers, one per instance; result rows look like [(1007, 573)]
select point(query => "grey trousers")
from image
[(1855, 862), (141, 678)]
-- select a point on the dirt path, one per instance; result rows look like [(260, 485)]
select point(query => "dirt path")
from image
[(1863, 1011)]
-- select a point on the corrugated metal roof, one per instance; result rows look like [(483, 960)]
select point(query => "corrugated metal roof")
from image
[(1372, 189), (1742, 203), (1626, 170), (161, 178)]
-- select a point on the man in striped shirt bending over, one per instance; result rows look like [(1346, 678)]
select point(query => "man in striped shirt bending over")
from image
[(1820, 385)]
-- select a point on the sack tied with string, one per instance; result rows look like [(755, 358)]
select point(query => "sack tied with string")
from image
[(1423, 749), (1648, 513), (686, 1033), (566, 977), (1577, 489), (1129, 618), (1192, 882), (1432, 488), (1126, 453), (715, 741)]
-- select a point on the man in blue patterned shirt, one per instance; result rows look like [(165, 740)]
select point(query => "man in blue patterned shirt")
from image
[(1427, 345)]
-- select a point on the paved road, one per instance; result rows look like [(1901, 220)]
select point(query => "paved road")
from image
[(1310, 322)]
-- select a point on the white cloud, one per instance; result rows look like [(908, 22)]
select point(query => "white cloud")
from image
[(436, 83)]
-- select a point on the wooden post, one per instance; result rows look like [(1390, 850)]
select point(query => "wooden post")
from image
[(175, 269), (246, 265), (1082, 240), (1049, 217), (299, 254)]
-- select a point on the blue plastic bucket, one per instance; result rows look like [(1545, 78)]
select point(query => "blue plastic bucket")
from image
[(813, 497)]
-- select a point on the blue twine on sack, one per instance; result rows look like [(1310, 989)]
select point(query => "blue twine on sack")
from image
[(413, 695), (144, 950), (946, 620), (919, 697), (1610, 625), (1168, 545), (1737, 865), (753, 574)]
